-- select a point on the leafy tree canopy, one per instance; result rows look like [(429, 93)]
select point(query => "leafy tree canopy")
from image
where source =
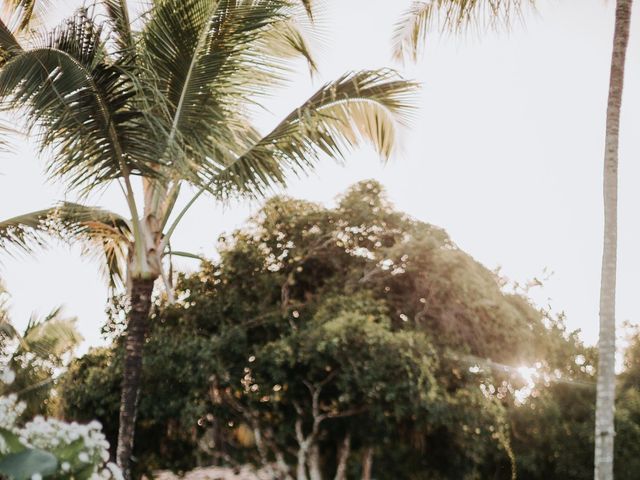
[(321, 336)]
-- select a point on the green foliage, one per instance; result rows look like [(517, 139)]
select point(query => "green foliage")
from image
[(35, 355), (49, 448), (101, 369), (25, 464), (365, 323)]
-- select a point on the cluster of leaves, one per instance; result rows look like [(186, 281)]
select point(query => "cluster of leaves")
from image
[(49, 448), (317, 326)]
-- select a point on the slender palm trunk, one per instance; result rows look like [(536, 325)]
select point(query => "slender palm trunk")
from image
[(137, 326), (605, 403)]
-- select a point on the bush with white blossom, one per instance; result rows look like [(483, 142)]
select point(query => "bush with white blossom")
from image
[(46, 448)]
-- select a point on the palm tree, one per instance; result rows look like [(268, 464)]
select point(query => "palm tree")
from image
[(605, 400), (163, 102), (457, 15), (35, 354)]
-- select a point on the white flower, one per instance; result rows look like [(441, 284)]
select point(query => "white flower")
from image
[(50, 434), (116, 473), (10, 411), (7, 376)]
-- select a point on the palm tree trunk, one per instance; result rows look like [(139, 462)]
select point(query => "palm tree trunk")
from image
[(605, 402), (137, 326)]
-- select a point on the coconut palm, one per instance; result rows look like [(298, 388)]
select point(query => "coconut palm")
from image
[(605, 399), (458, 15), (34, 354), (164, 101)]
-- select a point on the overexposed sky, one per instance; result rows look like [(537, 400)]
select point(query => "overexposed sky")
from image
[(505, 154)]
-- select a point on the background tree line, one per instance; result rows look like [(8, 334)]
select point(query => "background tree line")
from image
[(333, 343)]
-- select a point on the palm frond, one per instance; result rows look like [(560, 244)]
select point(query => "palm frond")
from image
[(307, 4), (51, 336), (78, 103), (27, 11), (210, 57), (7, 331), (25, 231), (362, 106), (118, 14), (453, 16), (286, 40), (101, 234), (9, 45)]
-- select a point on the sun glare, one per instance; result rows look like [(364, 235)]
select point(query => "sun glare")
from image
[(530, 376)]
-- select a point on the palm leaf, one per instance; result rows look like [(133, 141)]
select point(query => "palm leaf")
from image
[(366, 105), (455, 16), (9, 45), (47, 337), (118, 14), (51, 336), (27, 11), (25, 231), (102, 234), (307, 4), (285, 40), (79, 104), (209, 58)]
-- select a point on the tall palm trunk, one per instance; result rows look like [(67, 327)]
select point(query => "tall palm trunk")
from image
[(605, 403), (137, 326)]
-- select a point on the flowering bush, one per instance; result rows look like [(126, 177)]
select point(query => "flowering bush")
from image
[(49, 448)]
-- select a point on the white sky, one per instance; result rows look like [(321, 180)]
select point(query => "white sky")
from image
[(506, 155)]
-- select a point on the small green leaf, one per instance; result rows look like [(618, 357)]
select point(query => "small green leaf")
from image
[(25, 464), (12, 441), (84, 473), (71, 451)]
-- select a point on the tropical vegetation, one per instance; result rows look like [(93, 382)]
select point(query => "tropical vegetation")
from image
[(339, 342), (325, 340), (163, 104)]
